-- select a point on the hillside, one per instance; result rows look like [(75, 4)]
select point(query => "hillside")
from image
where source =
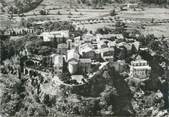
[(106, 94), (51, 4), (19, 6), (27, 5)]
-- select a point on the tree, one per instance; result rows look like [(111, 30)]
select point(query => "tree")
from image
[(28, 2), (20, 6), (123, 53), (154, 45), (113, 12), (59, 13), (156, 1), (120, 27), (43, 12), (141, 39), (65, 77)]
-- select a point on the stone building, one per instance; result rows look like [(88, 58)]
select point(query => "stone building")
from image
[(107, 53), (140, 69), (57, 61), (57, 36), (73, 66), (72, 59), (70, 44), (85, 65), (87, 51), (62, 49)]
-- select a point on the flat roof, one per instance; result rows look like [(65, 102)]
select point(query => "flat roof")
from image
[(85, 60), (141, 67), (78, 78)]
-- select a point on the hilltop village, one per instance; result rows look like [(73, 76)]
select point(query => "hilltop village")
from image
[(63, 67)]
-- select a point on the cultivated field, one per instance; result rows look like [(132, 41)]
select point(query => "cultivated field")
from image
[(158, 14), (157, 30), (138, 17), (148, 13)]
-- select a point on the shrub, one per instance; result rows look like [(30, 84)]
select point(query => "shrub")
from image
[(59, 13)]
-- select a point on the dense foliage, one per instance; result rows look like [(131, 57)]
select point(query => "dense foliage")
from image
[(7, 48), (156, 1), (21, 6)]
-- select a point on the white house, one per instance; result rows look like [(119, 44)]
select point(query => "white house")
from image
[(72, 59), (69, 44), (77, 41), (72, 54), (85, 48), (107, 53), (140, 69), (58, 35), (73, 66), (57, 61), (109, 36), (88, 37)]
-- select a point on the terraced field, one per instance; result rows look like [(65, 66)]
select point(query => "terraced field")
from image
[(81, 12), (159, 15), (59, 4)]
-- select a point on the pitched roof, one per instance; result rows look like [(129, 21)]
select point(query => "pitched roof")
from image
[(136, 45), (72, 54), (85, 48)]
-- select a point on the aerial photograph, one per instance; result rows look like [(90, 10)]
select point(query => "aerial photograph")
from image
[(84, 58)]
